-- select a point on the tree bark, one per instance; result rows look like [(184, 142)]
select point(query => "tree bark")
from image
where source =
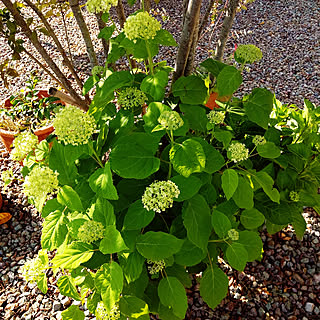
[(146, 5), (32, 36), (189, 27), (74, 5), (206, 17), (52, 34), (101, 24), (226, 27), (120, 13)]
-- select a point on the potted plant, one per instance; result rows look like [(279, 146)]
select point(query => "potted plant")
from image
[(30, 110), (142, 202)]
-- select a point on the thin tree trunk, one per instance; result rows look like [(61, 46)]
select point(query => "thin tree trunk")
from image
[(206, 17), (74, 5), (32, 36), (189, 27), (101, 24), (52, 34), (226, 27), (120, 13), (146, 5)]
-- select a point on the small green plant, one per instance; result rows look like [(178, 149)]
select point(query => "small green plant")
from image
[(143, 201)]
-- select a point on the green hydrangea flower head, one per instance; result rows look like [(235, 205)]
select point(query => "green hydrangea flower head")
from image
[(33, 270), (294, 196), (24, 143), (259, 140), (156, 266), (238, 152), (102, 313), (247, 53), (233, 234), (141, 26), (159, 195), (96, 6), (91, 231), (170, 120), (216, 117), (73, 126), (132, 99), (40, 182)]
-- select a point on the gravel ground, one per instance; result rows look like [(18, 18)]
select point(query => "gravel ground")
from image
[(286, 283)]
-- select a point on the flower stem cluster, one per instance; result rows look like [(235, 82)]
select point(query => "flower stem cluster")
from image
[(96, 6), (216, 117), (33, 269), (294, 196), (238, 152), (40, 182), (259, 140), (141, 26), (170, 120), (73, 126), (248, 53), (91, 231), (159, 195), (156, 266), (24, 143), (102, 313), (233, 234), (132, 98)]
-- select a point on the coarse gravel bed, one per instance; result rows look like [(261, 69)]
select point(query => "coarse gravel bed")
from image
[(286, 283)]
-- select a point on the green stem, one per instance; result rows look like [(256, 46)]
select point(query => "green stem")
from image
[(219, 240), (96, 158), (149, 58)]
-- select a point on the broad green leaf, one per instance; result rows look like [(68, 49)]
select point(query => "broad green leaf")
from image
[(229, 182), (266, 182), (109, 283), (259, 106), (228, 81), (299, 224), (188, 187), (42, 150), (213, 66), (133, 266), (180, 273), (104, 212), (51, 205), (274, 228), (137, 216), (112, 241), (221, 223), (69, 198), (158, 245), (73, 255), (223, 136), (133, 156), (151, 117), (68, 288), (251, 218), (190, 90), (155, 85), (172, 294), (196, 219), (134, 308), (214, 286), (165, 38), (42, 283), (101, 183), (189, 255), (106, 33), (196, 116), (237, 256), (301, 149), (243, 196), (187, 157), (268, 150), (92, 301), (252, 243), (54, 231), (72, 313), (166, 313)]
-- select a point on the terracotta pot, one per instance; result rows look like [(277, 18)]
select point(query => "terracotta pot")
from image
[(211, 103), (7, 137), (1, 201)]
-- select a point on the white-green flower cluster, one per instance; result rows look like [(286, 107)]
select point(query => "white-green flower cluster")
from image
[(40, 182), (294, 196), (131, 98), (156, 266), (96, 6), (102, 313), (248, 53), (259, 140), (34, 269), (238, 152), (141, 26), (233, 234), (159, 195), (170, 120), (73, 126), (91, 231), (216, 117), (24, 143)]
